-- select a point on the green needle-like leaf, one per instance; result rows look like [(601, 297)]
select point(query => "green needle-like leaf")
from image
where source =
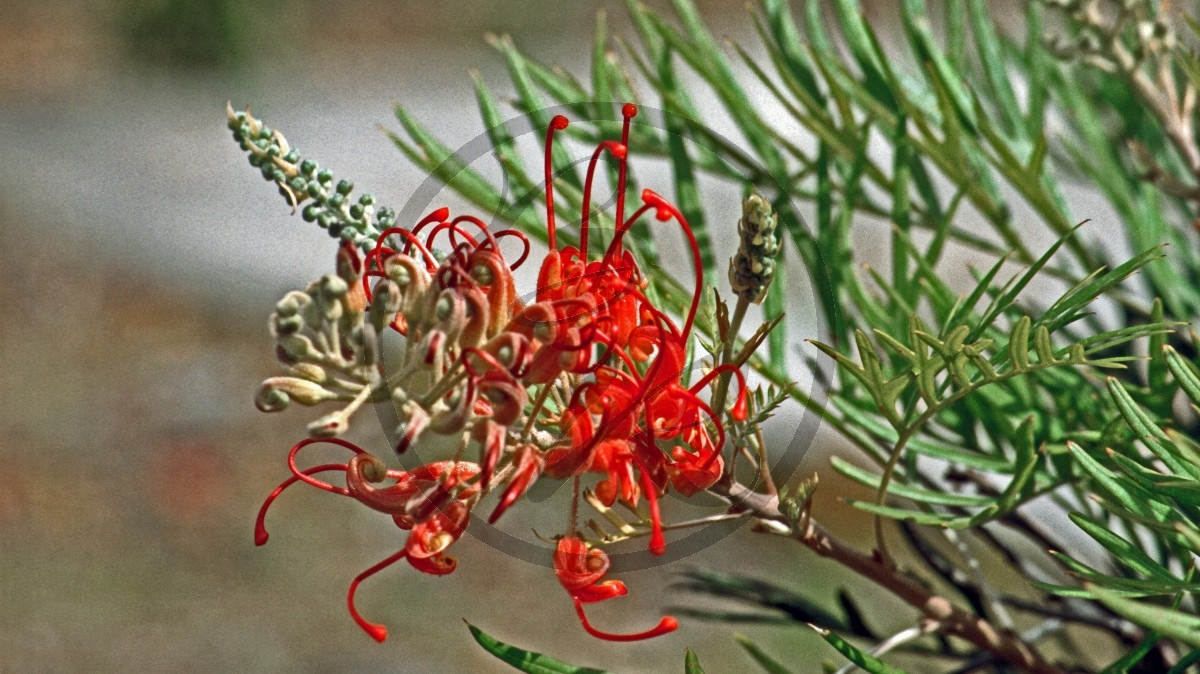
[(769, 664), (1172, 623), (526, 661), (866, 661)]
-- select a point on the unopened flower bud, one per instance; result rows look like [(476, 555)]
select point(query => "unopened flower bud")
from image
[(410, 430), (333, 286), (296, 347), (286, 325), (292, 303), (329, 426), (753, 266), (385, 302), (370, 345), (309, 371), (269, 398)]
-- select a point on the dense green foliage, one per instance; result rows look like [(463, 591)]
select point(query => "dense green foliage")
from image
[(973, 401)]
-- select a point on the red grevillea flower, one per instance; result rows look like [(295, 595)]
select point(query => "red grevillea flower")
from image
[(580, 571), (591, 356), (432, 502), (636, 398)]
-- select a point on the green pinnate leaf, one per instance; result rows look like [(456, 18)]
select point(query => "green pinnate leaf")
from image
[(526, 661)]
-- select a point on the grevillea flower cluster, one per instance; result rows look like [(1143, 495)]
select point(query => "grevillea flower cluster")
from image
[(582, 382)]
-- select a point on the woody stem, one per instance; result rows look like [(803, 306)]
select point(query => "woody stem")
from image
[(955, 620)]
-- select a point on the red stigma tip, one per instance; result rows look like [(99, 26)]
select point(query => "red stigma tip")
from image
[(619, 151), (559, 123), (377, 632), (260, 536), (437, 216), (629, 110)]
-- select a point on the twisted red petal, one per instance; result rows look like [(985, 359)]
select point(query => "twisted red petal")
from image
[(260, 529), (303, 476), (739, 409), (530, 464), (665, 626), (609, 589)]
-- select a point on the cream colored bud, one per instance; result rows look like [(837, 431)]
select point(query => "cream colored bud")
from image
[(296, 347), (309, 371), (292, 303), (302, 391), (329, 426)]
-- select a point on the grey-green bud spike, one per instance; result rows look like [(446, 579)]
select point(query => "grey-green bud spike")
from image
[(753, 266)]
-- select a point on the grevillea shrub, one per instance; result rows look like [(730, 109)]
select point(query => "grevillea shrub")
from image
[(996, 412)]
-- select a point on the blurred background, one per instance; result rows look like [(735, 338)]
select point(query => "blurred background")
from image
[(140, 258)]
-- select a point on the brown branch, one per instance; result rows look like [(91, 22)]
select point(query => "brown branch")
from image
[(955, 620)]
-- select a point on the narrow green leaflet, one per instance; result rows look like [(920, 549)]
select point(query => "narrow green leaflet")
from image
[(1124, 551), (769, 664), (1075, 592), (929, 496), (1133, 656), (687, 191), (691, 663), (1129, 496), (1184, 372), (992, 62), (866, 661), (920, 33), (774, 307), (1149, 431), (1185, 663), (1026, 462), (429, 153), (1133, 587), (526, 661), (531, 102), (1169, 622), (916, 516)]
